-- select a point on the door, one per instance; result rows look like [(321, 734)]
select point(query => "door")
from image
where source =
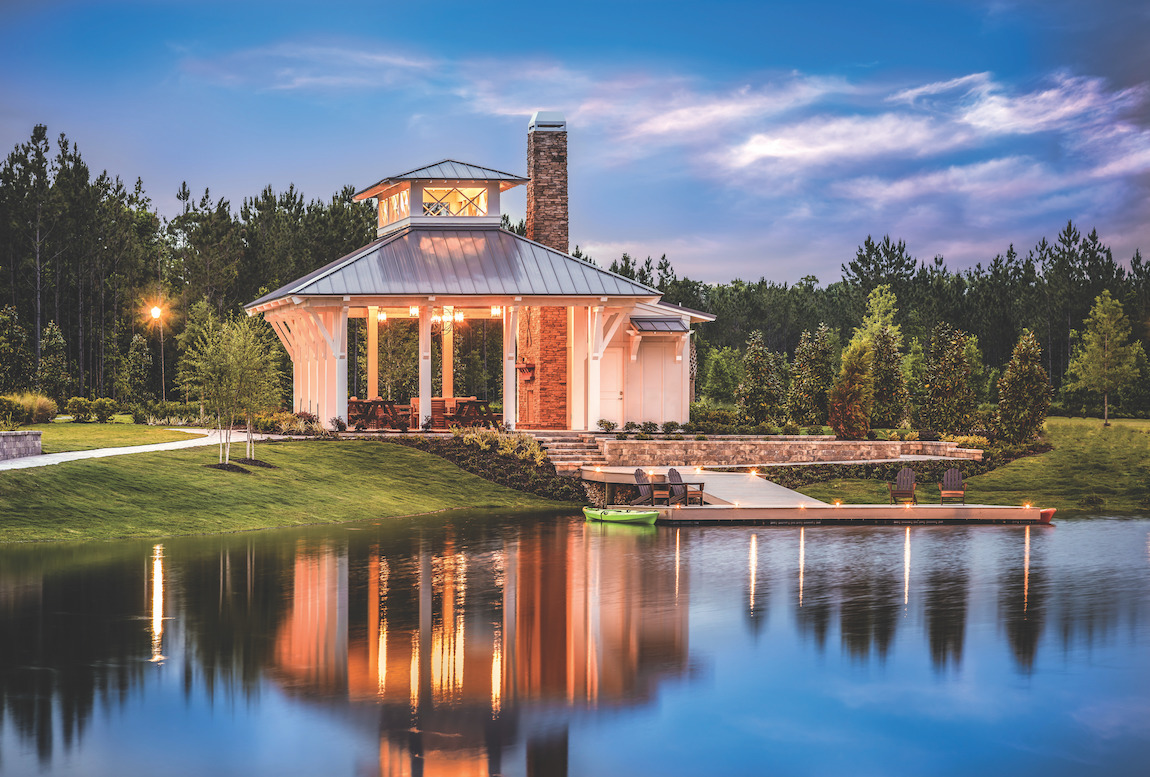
[(610, 387)]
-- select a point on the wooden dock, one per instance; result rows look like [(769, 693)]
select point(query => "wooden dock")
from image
[(740, 498)]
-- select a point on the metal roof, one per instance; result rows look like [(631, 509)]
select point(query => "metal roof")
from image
[(428, 260), (449, 170), (659, 325)]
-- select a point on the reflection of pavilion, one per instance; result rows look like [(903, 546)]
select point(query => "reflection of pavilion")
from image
[(457, 646)]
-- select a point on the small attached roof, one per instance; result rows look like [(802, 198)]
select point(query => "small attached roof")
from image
[(659, 325), (419, 261), (445, 170), (664, 310)]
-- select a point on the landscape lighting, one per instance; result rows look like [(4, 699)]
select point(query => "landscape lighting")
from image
[(413, 312)]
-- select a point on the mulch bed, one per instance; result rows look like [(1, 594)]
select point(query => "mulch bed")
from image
[(229, 467), (256, 463)]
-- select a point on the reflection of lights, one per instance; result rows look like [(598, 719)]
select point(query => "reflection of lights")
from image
[(414, 677), (802, 560), (754, 562), (677, 564), (497, 671), (381, 646), (1026, 573), (157, 603), (906, 568)]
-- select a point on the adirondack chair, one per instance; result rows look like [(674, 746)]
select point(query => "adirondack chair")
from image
[(686, 493), (951, 486), (649, 493), (902, 489)]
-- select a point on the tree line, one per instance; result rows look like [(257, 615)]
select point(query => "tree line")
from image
[(84, 256)]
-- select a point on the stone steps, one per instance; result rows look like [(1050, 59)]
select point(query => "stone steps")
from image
[(569, 451)]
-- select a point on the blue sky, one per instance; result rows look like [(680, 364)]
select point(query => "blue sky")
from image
[(741, 139)]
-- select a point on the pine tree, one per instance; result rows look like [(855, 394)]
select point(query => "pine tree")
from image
[(1105, 362), (950, 400), (812, 375), (852, 395), (762, 393), (1023, 391), (15, 359), (137, 371), (52, 376)]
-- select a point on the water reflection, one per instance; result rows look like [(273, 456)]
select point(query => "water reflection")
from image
[(485, 646)]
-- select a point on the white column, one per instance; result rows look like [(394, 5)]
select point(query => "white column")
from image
[(448, 351), (577, 366), (313, 369), (594, 352), (510, 379), (372, 354), (339, 389), (424, 363)]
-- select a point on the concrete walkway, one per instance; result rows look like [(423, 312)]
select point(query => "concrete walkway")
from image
[(735, 488), (46, 460)]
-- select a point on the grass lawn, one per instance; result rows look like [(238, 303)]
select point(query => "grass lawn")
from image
[(1087, 461), (171, 492), (61, 436)]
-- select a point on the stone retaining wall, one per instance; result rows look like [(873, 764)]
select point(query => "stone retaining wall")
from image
[(15, 445), (735, 451)]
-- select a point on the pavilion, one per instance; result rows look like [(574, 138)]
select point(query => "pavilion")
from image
[(580, 343)]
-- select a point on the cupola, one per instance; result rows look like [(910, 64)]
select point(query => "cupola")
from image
[(447, 193)]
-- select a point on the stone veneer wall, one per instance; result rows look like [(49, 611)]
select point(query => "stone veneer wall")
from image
[(742, 451), (543, 330), (543, 342), (15, 445)]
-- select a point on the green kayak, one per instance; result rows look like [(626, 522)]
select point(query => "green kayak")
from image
[(621, 516)]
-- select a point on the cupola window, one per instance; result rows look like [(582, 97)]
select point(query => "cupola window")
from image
[(395, 207), (456, 201)]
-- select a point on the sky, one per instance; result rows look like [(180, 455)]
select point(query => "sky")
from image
[(741, 139)]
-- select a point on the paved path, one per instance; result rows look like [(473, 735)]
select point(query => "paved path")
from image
[(736, 488), (206, 438)]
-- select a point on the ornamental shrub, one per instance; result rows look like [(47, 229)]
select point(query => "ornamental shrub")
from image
[(607, 426), (12, 412), (630, 426), (103, 408), (762, 393), (670, 427), (649, 428), (852, 394), (812, 375), (950, 399), (1023, 392), (80, 409)]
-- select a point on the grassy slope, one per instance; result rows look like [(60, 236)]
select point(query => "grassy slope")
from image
[(1112, 463), (67, 436), (168, 493)]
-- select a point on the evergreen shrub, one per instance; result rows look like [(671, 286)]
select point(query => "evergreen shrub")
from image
[(103, 408), (80, 409)]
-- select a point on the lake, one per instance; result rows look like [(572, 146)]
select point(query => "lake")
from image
[(528, 644)]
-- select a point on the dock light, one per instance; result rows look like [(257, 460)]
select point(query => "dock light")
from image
[(753, 473), (698, 470), (1026, 506), (496, 310), (413, 311), (458, 316), (838, 503), (598, 469), (907, 505), (381, 316), (802, 506)]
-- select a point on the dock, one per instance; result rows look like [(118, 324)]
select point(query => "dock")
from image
[(742, 498)]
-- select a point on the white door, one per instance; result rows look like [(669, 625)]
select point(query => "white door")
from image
[(610, 387)]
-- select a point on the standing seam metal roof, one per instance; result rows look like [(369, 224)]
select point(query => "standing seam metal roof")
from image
[(449, 170), (476, 261)]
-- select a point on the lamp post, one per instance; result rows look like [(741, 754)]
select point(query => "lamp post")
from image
[(156, 313)]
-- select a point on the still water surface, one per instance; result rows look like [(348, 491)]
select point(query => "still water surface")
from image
[(540, 645)]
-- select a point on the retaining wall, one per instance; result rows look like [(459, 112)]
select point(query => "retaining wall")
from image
[(779, 450), (15, 445)]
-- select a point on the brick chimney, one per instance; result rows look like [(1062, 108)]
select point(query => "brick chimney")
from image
[(547, 189), (543, 330)]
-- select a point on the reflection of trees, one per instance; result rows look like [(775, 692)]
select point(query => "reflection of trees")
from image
[(945, 605), (1022, 606), (870, 603), (68, 639)]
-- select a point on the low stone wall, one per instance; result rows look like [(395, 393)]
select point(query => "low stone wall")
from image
[(15, 445), (734, 451)]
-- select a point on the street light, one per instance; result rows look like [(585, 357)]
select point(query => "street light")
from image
[(156, 313)]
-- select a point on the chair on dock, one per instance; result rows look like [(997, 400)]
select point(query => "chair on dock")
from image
[(648, 492), (902, 489), (686, 493), (951, 486)]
